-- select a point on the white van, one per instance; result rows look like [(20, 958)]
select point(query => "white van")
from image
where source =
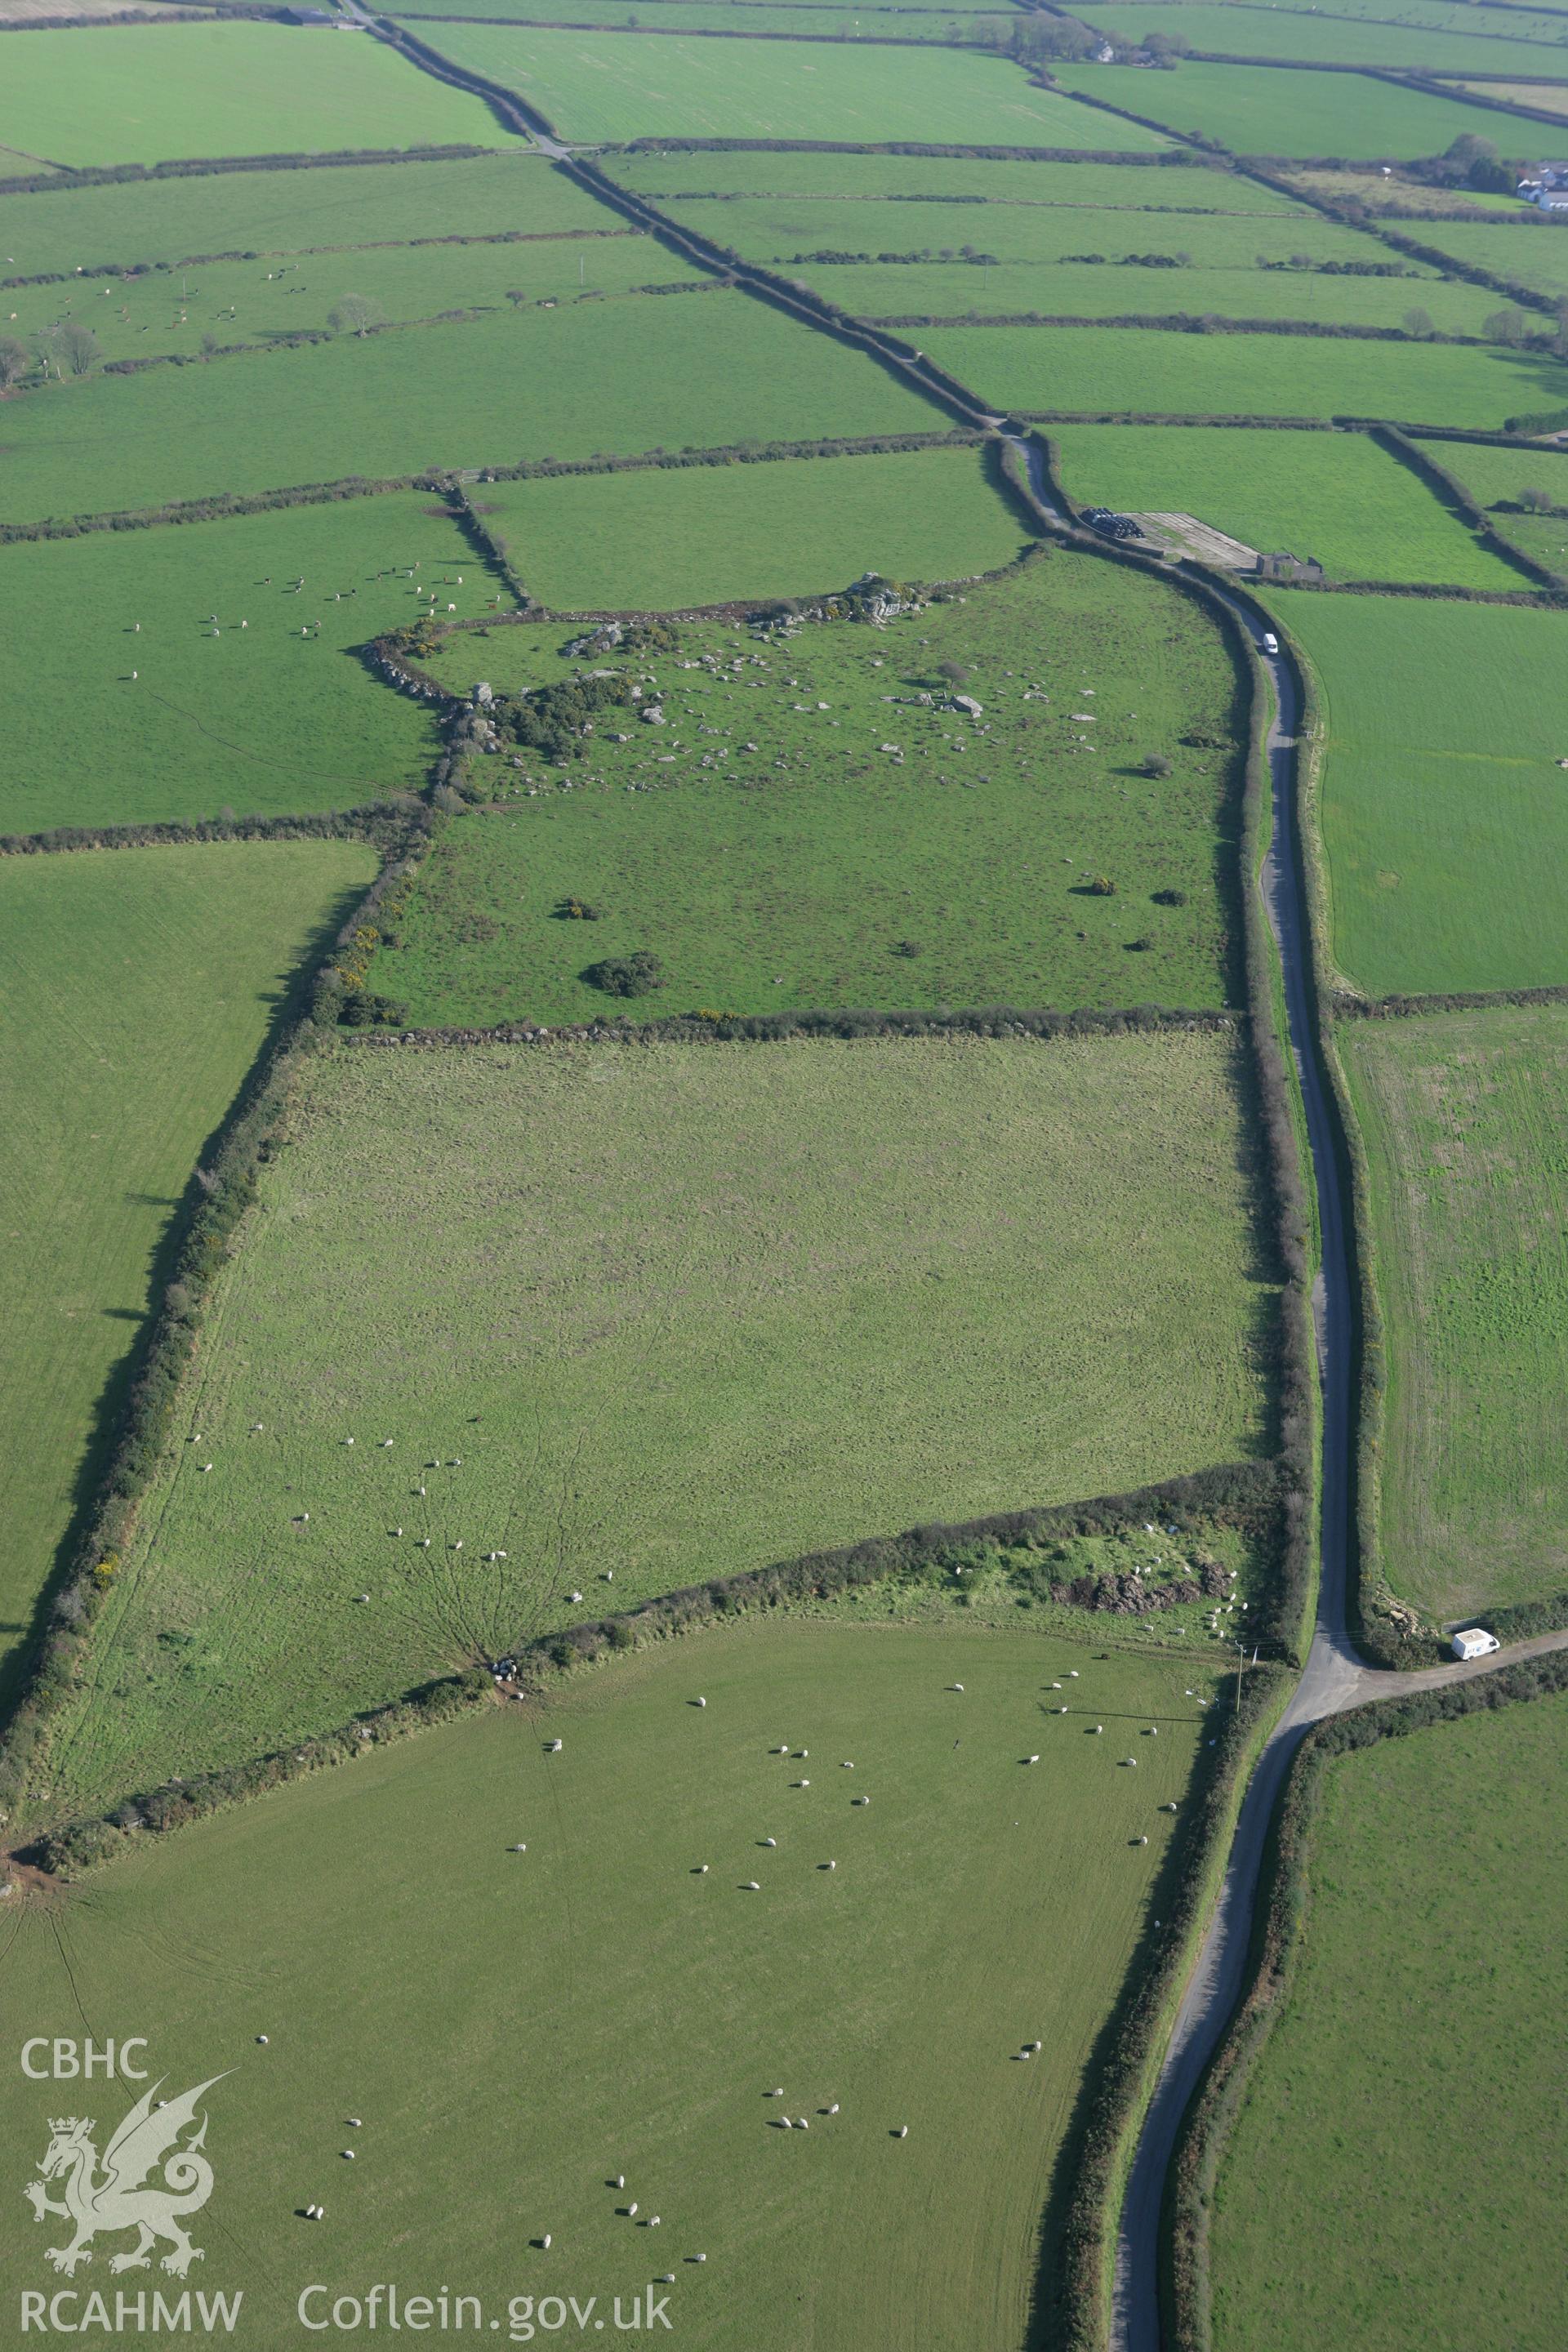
[(1270, 642), (1474, 1642)]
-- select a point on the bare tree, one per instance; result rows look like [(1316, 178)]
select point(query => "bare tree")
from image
[(14, 361), (356, 314), (80, 348)]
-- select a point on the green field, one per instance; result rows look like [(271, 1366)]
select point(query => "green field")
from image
[(258, 720), (336, 208), (1490, 43), (1094, 369), (947, 179), (1493, 475), (945, 290), (787, 840), (661, 1312), (1337, 496), (1443, 812), (703, 534), (1536, 258), (711, 368), (107, 95), (263, 301), (1260, 111), (138, 989), (1463, 1116), (1545, 98), (1014, 229), (916, 20), (617, 2013), (594, 86), (1356, 2204)]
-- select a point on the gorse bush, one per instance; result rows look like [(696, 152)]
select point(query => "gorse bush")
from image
[(638, 974)]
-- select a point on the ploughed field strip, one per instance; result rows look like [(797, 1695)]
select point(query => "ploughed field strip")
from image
[(635, 1316), (1463, 1117), (1026, 794), (1442, 806), (222, 664), (631, 2030), (1434, 1870), (95, 97), (1339, 498), (154, 979)]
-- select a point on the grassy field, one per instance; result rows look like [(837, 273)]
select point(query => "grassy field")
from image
[(1014, 230), (264, 300), (1444, 817), (1493, 475), (1490, 43), (593, 86), (949, 179), (1463, 1116), (919, 22), (1386, 189), (943, 291), (339, 207), (1094, 370), (703, 534), (617, 2013), (1545, 97), (259, 719), (658, 1313), (1351, 2208), (151, 977), (711, 368), (787, 839), (110, 97), (1337, 496), (1536, 258), (1258, 111)]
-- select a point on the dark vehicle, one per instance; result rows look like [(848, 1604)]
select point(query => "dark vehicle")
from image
[(1110, 525)]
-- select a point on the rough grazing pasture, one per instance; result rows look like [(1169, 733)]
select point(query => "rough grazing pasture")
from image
[(1490, 43), (616, 2013), (1545, 97), (1444, 814), (179, 310), (1258, 111), (1431, 1959), (787, 839), (703, 534), (1495, 476), (255, 719), (593, 85), (947, 179), (150, 979), (1338, 496), (1463, 1116), (336, 208), (711, 368), (1095, 371), (926, 21), (945, 290), (658, 1313), (110, 97)]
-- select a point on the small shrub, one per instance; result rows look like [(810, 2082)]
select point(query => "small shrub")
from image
[(1156, 764), (1140, 946), (577, 910), (906, 947), (1170, 898), (1102, 886), (638, 974)]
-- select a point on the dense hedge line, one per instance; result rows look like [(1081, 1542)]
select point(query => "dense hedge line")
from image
[(133, 269), (109, 176), (218, 509), (736, 453), (1543, 420), (381, 821), (1521, 1620), (1450, 488), (489, 544), (1242, 422), (769, 1028), (1346, 1005), (1448, 591), (1231, 1494), (205, 1228), (689, 146), (1277, 1945), (1181, 323)]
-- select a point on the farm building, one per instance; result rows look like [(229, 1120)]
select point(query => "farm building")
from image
[(1473, 1642)]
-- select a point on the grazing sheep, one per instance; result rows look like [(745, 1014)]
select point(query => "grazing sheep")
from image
[(553, 1746), (846, 1767), (397, 1531), (833, 2110), (901, 2131), (1061, 1710), (619, 2181), (1072, 1674), (700, 1871), (544, 2242), (701, 1702), (830, 1865), (802, 1784), (750, 1887), (574, 1596), (1031, 1760), (348, 1441), (423, 1543), (1037, 2045), (786, 2121), (347, 2154), (859, 1800), (1130, 1759), (955, 1686), (262, 2039), (419, 1490), (801, 2123), (773, 2095), (385, 1443), (1097, 1727), (696, 2257), (206, 1467), (1143, 1841), (255, 1428), (520, 1849), (769, 1840)]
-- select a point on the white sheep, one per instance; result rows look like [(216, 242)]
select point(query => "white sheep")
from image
[(553, 1746), (769, 1840), (544, 2242), (1031, 1760), (520, 1849), (903, 2132), (751, 1888), (859, 1800), (701, 1702)]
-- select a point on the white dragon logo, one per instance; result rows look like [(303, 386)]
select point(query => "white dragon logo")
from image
[(145, 2140)]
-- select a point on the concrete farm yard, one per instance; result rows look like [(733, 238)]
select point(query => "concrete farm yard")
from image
[(735, 862)]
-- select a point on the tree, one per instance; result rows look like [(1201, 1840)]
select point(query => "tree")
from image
[(633, 975), (1156, 764), (953, 671), (14, 361), (1506, 326), (79, 347), (1420, 325), (1535, 500), (356, 314)]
